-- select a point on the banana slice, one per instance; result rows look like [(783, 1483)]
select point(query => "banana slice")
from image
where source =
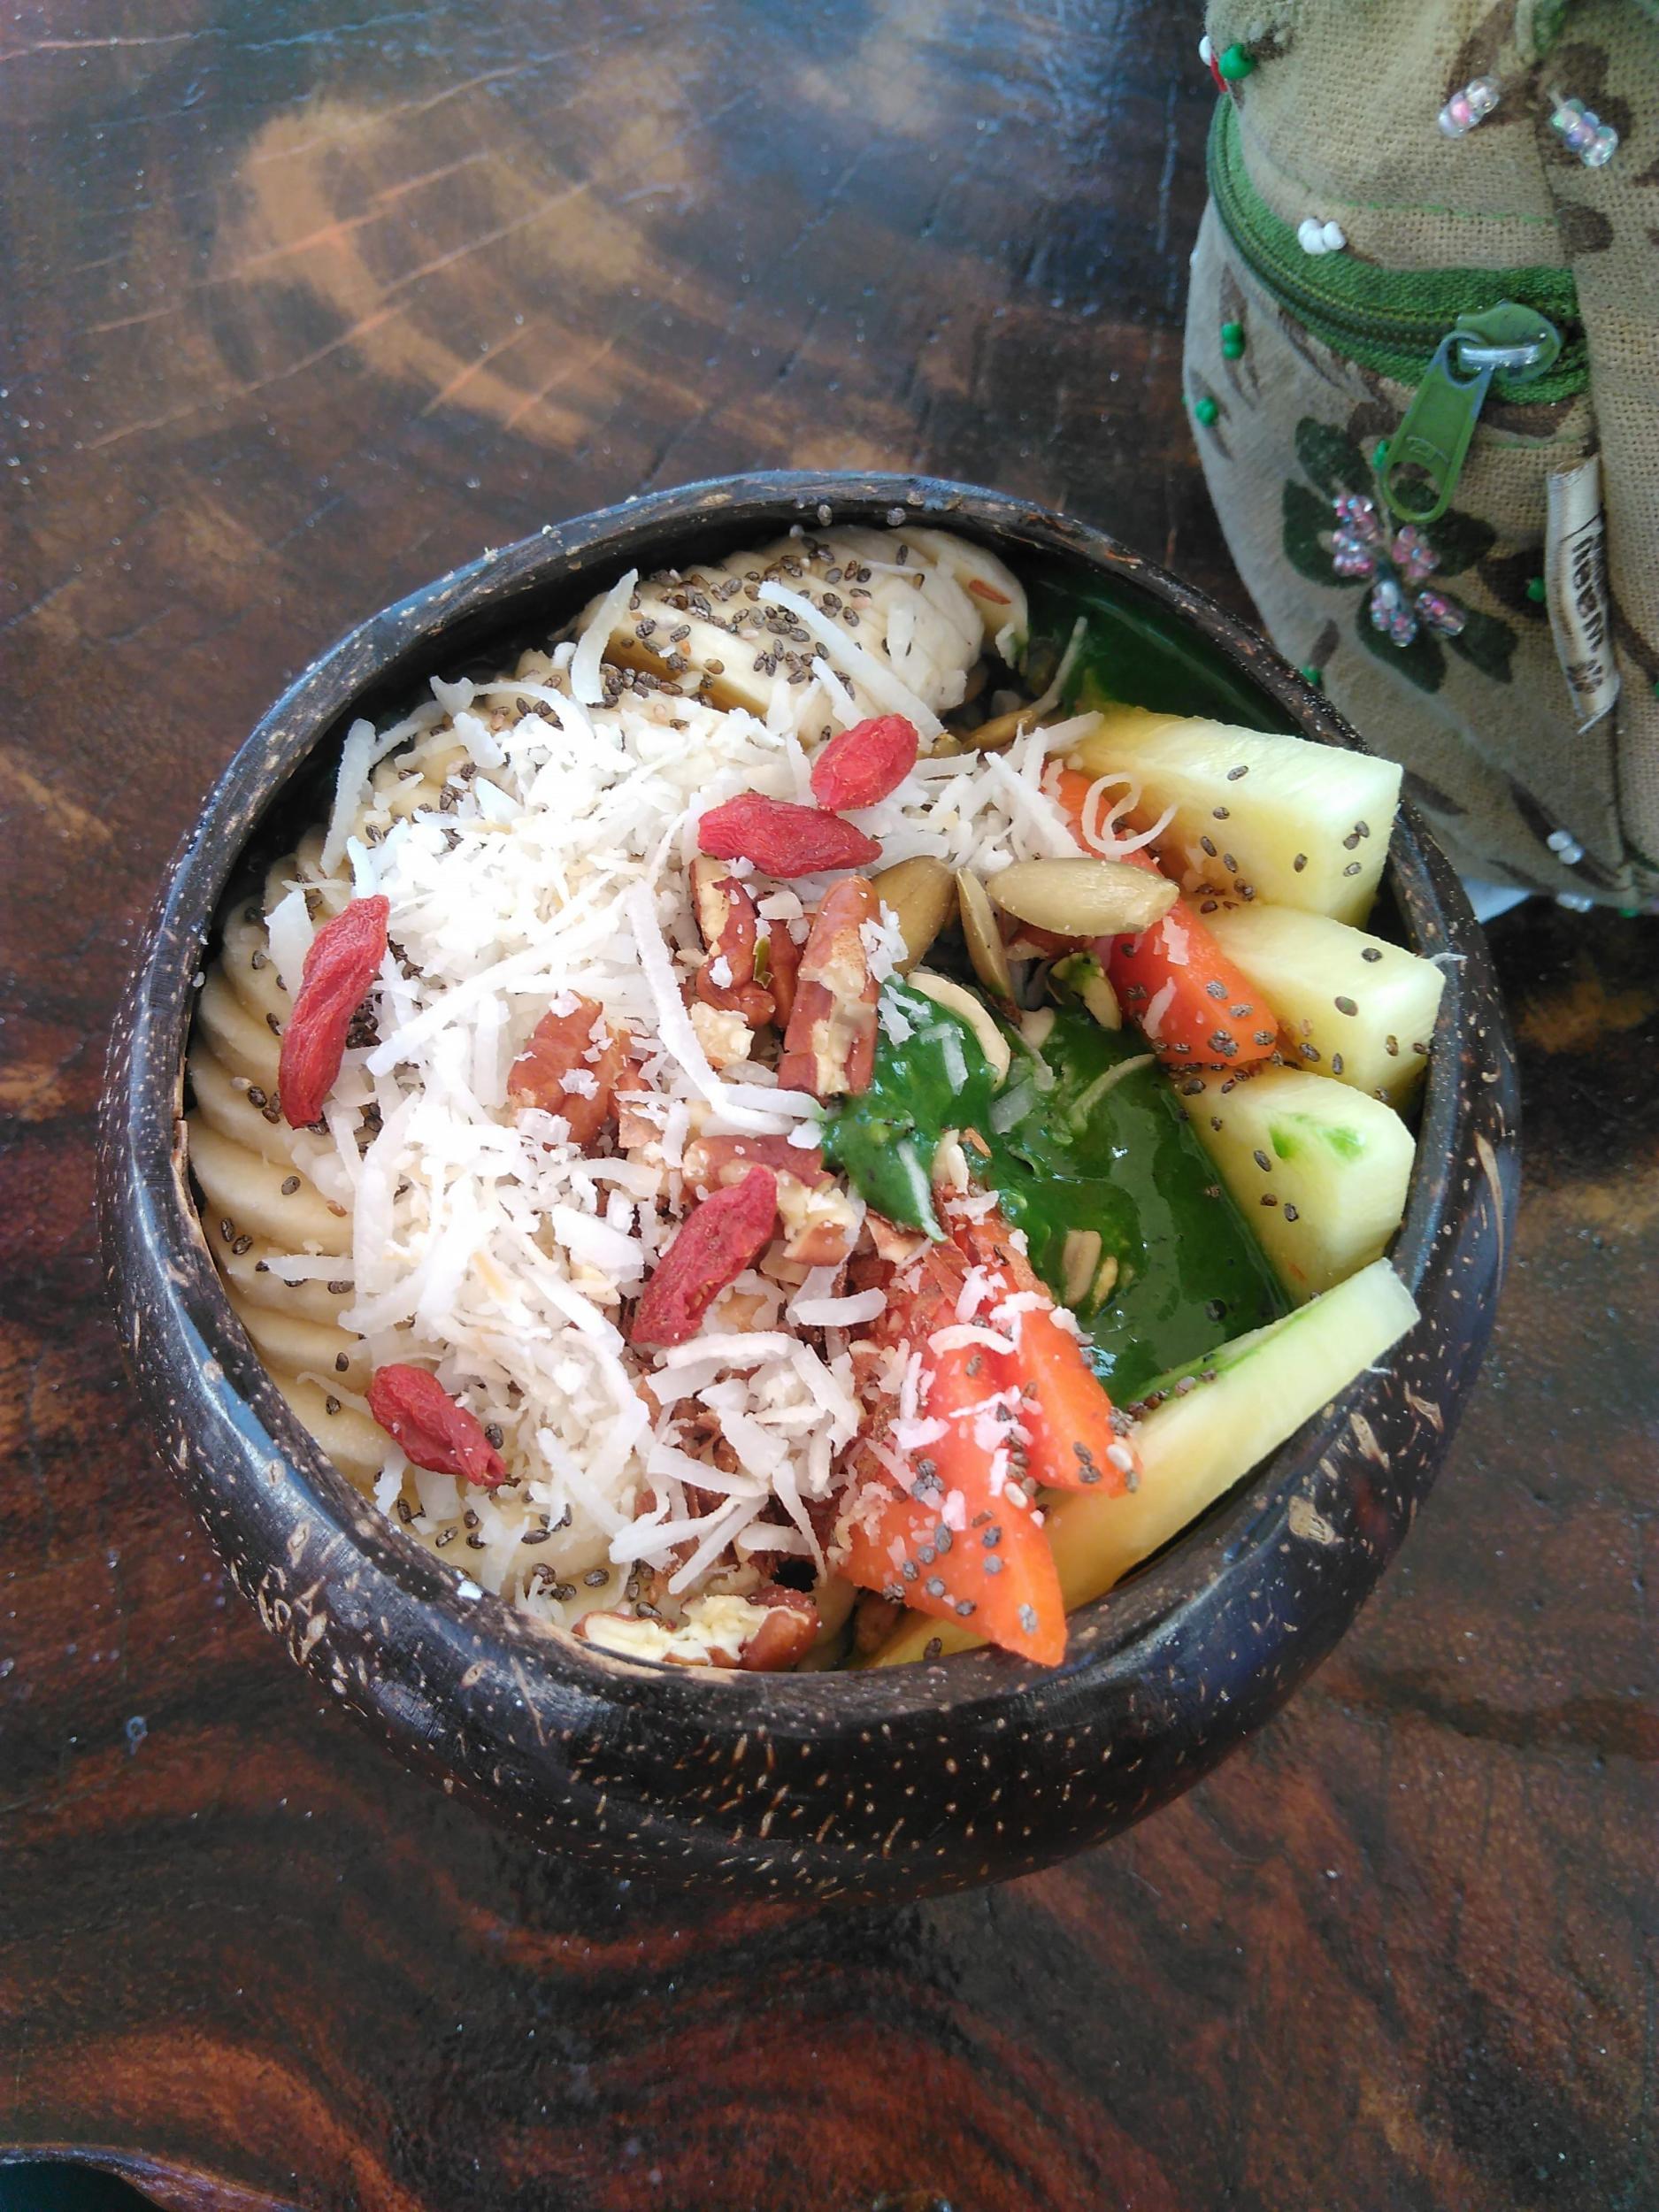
[(222, 1103), (245, 958), (908, 613), (246, 1045), (355, 1444), (252, 1194), (287, 1341), (253, 1280)]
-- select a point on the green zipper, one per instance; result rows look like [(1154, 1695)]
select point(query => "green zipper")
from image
[(1431, 328)]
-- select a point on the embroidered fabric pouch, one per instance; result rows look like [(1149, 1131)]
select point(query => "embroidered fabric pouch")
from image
[(1488, 615)]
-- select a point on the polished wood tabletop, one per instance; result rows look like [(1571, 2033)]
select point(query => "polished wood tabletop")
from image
[(306, 304)]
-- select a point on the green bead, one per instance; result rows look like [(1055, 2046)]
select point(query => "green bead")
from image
[(1205, 410), (1310, 675), (1380, 455), (1630, 913), (1536, 588), (1231, 340), (1235, 63)]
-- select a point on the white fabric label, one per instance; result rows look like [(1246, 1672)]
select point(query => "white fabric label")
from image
[(1575, 572)]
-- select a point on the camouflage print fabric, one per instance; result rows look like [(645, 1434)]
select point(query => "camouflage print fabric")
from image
[(1337, 121)]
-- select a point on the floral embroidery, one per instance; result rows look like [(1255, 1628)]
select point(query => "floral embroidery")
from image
[(1394, 567), (1336, 534)]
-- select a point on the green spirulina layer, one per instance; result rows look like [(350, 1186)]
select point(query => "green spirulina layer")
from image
[(1086, 1148)]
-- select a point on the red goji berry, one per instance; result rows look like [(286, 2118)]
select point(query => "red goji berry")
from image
[(344, 959), (864, 762), (782, 838), (717, 1241), (560, 1045), (416, 1412)]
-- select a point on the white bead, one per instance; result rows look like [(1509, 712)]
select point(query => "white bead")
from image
[(1602, 149), (1310, 235), (1205, 50), (1334, 236)]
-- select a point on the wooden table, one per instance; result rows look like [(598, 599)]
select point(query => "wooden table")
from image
[(310, 305)]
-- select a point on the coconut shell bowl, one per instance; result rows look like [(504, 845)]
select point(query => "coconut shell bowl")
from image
[(881, 1784)]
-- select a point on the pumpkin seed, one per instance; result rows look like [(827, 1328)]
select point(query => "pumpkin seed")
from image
[(922, 895), (1082, 973), (999, 730), (1083, 898), (955, 998), (1080, 1259), (982, 936)]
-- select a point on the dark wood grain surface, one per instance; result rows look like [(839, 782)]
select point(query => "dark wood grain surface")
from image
[(306, 304)]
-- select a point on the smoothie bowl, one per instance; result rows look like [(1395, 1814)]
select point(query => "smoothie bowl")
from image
[(805, 1176)]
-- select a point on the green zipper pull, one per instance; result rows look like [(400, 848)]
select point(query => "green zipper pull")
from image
[(1426, 455)]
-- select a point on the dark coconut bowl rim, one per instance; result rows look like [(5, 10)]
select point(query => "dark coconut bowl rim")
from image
[(699, 1775)]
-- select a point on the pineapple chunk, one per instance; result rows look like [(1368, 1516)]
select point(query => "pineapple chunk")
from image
[(1319, 1170), (1299, 823), (1353, 1006)]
